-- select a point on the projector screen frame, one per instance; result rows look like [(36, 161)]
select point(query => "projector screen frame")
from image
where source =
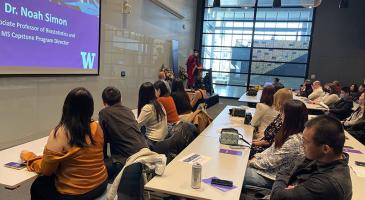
[(63, 75)]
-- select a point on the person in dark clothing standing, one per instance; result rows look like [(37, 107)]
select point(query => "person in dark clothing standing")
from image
[(325, 173), (342, 109), (120, 131)]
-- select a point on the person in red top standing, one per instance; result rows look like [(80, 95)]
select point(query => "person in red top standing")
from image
[(191, 65)]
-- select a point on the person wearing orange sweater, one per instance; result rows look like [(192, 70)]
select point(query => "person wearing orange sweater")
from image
[(167, 101), (72, 165)]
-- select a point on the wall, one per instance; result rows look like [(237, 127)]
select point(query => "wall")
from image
[(338, 47), (138, 43)]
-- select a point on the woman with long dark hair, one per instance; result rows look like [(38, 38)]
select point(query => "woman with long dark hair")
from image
[(151, 114), (73, 163), (167, 101), (286, 150), (354, 92), (265, 113), (180, 97)]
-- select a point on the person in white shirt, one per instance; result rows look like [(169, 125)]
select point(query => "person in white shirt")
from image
[(330, 95), (358, 114), (151, 114), (265, 113), (317, 91), (284, 153)]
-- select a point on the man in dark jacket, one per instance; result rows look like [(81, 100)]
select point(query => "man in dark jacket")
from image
[(325, 173), (343, 107), (120, 131)]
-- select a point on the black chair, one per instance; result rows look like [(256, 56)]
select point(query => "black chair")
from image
[(132, 183)]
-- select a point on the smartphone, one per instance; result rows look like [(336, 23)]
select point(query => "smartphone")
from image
[(15, 165), (358, 163), (221, 182)]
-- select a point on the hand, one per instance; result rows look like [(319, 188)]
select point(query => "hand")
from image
[(26, 155), (290, 187)]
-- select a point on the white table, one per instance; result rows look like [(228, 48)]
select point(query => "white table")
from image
[(177, 177), (310, 106), (12, 178), (251, 99), (224, 120)]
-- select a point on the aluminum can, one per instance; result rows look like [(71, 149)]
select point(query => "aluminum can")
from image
[(196, 175)]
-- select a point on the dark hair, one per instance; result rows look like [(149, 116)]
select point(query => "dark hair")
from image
[(160, 85), (181, 98), (147, 95), (177, 85), (267, 96), (332, 88), (77, 111), (356, 88), (199, 84), (295, 116), (346, 89), (196, 50), (277, 79), (329, 131), (111, 95)]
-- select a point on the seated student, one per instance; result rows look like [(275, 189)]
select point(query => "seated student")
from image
[(162, 77), (306, 89), (200, 95), (72, 164), (120, 129), (317, 91), (276, 83), (330, 96), (265, 113), (343, 107), (286, 150), (357, 114), (180, 97), (338, 86), (354, 92), (325, 173), (151, 114), (280, 97), (167, 101), (361, 88)]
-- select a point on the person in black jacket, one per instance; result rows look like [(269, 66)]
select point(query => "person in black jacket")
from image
[(354, 92), (120, 131), (325, 173), (342, 108), (306, 89)]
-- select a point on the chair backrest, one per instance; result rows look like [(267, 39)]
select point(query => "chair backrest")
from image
[(131, 185)]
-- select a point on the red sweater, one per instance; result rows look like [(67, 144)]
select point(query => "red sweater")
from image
[(170, 107)]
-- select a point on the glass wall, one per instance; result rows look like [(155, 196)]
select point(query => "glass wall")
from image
[(251, 45)]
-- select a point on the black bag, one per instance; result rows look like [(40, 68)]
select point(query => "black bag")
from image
[(251, 92), (237, 112)]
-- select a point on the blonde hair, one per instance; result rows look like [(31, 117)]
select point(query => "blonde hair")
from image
[(280, 97)]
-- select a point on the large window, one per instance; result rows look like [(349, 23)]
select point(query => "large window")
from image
[(250, 46)]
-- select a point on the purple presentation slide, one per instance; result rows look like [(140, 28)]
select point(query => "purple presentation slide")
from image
[(49, 36)]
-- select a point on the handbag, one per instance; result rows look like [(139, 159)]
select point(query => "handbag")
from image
[(237, 112), (230, 136), (251, 92)]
